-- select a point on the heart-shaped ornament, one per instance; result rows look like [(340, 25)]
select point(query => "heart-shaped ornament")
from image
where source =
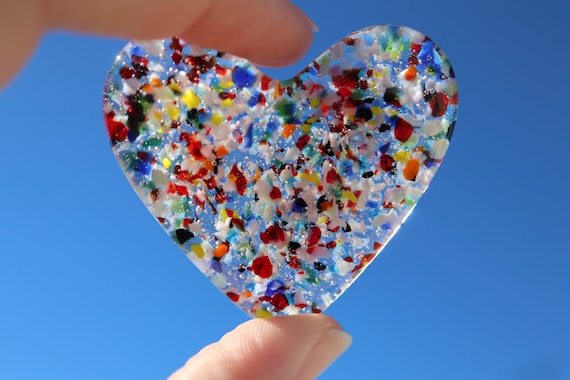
[(282, 192)]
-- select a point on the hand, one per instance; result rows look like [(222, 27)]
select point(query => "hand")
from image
[(269, 33)]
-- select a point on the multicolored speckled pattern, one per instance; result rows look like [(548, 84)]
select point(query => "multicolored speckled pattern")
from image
[(282, 192)]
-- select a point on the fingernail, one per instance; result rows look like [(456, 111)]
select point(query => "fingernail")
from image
[(314, 26), (323, 353)]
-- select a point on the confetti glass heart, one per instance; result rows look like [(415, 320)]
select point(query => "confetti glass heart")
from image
[(282, 192)]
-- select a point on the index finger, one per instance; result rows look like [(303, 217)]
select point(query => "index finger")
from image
[(267, 32)]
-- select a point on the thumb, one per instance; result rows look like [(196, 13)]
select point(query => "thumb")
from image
[(296, 347)]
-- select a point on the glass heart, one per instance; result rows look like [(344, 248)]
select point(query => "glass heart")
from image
[(282, 192)]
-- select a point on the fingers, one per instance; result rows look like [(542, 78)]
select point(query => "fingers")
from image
[(268, 32), (282, 348)]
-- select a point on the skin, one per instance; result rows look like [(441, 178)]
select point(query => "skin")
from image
[(282, 348), (261, 41)]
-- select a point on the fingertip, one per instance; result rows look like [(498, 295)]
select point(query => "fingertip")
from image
[(294, 347), (325, 351), (271, 34)]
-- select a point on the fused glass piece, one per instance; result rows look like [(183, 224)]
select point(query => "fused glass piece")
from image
[(282, 192)]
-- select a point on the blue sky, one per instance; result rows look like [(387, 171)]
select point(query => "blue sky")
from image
[(474, 286)]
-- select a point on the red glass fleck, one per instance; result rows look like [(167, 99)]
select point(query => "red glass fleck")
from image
[(275, 193), (273, 234), (220, 198), (333, 177), (387, 163), (344, 92), (127, 72), (349, 41), (366, 259), (294, 262), (195, 148), (333, 229), (227, 95), (279, 302), (238, 223), (182, 190), (220, 70), (413, 60), (233, 296), (176, 57), (416, 48), (116, 130), (175, 44), (210, 182), (313, 236), (265, 83), (348, 79), (403, 130), (184, 175), (144, 156), (315, 310), (239, 179), (154, 195), (262, 267), (303, 141), (439, 104)]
